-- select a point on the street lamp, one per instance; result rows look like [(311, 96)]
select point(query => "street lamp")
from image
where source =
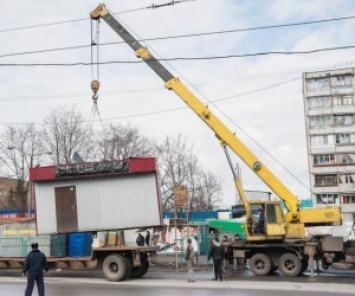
[(30, 165)]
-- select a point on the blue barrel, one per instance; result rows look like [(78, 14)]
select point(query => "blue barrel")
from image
[(79, 244)]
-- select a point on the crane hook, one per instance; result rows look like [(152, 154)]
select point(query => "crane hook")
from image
[(95, 85)]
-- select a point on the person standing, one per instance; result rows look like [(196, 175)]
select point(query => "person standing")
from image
[(33, 267), (189, 258), (260, 226), (147, 238), (217, 255), (140, 240)]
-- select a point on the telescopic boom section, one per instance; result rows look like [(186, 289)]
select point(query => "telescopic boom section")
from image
[(222, 132)]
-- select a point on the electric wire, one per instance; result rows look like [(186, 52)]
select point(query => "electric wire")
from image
[(263, 76), (180, 58), (183, 35), (153, 6), (165, 110)]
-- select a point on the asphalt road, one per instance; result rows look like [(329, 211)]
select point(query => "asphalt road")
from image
[(174, 283)]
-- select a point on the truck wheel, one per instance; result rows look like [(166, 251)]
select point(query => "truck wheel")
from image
[(290, 265), (115, 268), (260, 264), (139, 271)]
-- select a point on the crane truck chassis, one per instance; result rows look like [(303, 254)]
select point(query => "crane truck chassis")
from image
[(293, 257), (283, 245)]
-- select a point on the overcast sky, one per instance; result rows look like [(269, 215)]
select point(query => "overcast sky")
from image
[(132, 93)]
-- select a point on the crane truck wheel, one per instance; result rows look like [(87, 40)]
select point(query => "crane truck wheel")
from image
[(260, 264), (115, 268), (139, 271), (290, 265)]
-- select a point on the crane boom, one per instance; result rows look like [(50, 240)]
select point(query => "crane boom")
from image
[(223, 133)]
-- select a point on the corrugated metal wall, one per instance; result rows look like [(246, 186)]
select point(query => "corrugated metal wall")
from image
[(121, 201)]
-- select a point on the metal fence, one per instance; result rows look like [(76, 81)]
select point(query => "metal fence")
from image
[(21, 246)]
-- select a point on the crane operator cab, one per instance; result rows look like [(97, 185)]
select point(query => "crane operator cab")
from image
[(266, 222)]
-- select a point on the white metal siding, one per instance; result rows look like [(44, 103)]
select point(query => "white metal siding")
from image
[(126, 201)]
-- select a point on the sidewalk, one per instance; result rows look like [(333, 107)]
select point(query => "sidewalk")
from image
[(167, 262)]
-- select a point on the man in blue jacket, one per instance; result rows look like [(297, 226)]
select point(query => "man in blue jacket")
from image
[(33, 267)]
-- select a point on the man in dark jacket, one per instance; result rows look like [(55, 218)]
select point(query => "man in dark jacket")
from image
[(217, 255), (33, 267), (140, 240), (147, 238)]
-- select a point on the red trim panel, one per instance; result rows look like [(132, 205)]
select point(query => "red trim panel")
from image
[(137, 165)]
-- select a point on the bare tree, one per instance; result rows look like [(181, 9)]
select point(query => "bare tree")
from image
[(123, 141), (20, 149), (178, 165), (65, 132), (209, 192)]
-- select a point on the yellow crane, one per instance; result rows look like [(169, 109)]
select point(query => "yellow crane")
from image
[(278, 225)]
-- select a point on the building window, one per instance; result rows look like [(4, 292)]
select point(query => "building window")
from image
[(326, 140), (323, 159), (327, 199), (343, 81), (347, 199), (342, 138), (345, 158), (344, 119), (318, 83), (342, 100), (326, 180), (346, 178), (321, 121), (319, 102)]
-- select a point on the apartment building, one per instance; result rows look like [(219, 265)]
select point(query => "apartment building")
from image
[(330, 127)]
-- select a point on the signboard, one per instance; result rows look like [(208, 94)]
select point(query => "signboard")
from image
[(91, 168), (180, 196), (306, 203)]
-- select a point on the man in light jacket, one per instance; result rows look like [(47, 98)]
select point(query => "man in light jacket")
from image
[(189, 258)]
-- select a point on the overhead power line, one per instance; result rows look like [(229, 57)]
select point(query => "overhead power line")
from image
[(153, 6), (172, 109), (184, 58), (176, 36)]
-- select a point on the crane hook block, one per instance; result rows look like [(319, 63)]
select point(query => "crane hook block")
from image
[(95, 85)]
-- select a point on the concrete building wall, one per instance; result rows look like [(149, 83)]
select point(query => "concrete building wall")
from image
[(330, 125)]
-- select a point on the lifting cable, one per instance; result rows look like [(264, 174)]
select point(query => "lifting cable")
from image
[(95, 70), (95, 61), (95, 33)]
